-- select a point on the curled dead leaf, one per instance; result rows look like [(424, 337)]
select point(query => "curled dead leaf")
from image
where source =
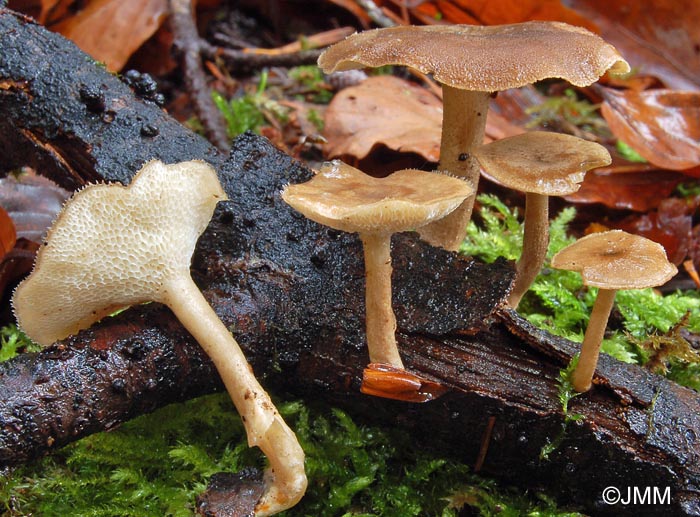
[(661, 125), (383, 110), (112, 30), (659, 38), (397, 114)]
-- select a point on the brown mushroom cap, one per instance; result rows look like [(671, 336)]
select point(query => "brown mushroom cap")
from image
[(616, 260), (113, 246), (347, 199), (482, 58), (541, 162)]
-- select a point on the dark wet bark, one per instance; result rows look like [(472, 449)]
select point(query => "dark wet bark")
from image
[(292, 292)]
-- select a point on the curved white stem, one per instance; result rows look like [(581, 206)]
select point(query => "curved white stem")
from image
[(285, 478)]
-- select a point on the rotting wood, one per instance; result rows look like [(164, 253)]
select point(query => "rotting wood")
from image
[(292, 292)]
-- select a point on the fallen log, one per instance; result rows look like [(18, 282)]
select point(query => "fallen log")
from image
[(292, 292)]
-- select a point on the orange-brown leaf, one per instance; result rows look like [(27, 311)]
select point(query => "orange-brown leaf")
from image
[(112, 30), (395, 113), (489, 12), (383, 110), (658, 38), (661, 125), (8, 236), (639, 191), (671, 226)]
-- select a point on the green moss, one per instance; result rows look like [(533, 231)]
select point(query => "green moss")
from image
[(566, 393), (628, 153), (249, 112), (559, 302), (568, 107), (13, 341), (155, 464), (310, 78)]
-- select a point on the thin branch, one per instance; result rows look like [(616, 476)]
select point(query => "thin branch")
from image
[(188, 44)]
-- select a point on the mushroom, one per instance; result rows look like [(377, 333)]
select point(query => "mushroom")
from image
[(541, 164), (112, 247), (347, 199), (610, 260), (471, 62)]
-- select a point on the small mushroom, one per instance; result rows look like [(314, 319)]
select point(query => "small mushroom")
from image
[(112, 247), (347, 199), (471, 62), (541, 164), (611, 261)]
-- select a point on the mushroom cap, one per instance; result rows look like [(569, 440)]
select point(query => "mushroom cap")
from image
[(347, 199), (616, 260), (541, 162), (482, 58), (113, 246)]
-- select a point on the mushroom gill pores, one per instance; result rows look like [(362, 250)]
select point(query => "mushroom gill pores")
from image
[(471, 62), (112, 247)]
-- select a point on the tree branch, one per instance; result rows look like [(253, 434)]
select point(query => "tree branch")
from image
[(293, 292)]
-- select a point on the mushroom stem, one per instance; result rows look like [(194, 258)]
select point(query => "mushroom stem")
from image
[(535, 242), (285, 478), (590, 348), (380, 318), (463, 127)]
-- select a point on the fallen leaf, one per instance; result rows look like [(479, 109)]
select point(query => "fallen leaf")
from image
[(662, 125), (488, 12), (394, 113), (660, 38), (112, 30), (383, 110), (39, 10), (8, 236), (32, 203), (640, 191), (671, 226)]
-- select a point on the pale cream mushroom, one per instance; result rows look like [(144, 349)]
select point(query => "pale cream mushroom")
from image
[(541, 164), (112, 247), (611, 261), (471, 62), (347, 199)]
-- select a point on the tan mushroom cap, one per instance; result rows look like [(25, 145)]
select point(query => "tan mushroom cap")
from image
[(482, 58), (347, 199), (541, 162), (616, 260), (113, 246)]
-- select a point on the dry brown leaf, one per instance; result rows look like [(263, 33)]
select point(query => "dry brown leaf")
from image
[(111, 30), (383, 110), (390, 111), (660, 38), (661, 125)]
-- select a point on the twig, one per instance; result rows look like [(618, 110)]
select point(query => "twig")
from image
[(188, 44), (376, 14), (485, 441), (248, 59)]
